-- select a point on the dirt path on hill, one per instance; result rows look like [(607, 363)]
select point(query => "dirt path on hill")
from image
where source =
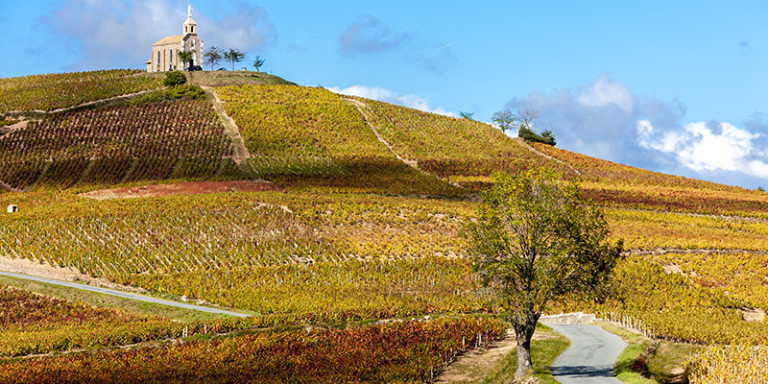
[(525, 145), (411, 163), (477, 364), (8, 187), (232, 131)]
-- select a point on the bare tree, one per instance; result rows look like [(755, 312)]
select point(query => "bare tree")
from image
[(507, 119), (526, 117)]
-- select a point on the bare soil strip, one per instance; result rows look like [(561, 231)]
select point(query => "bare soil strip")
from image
[(191, 188), (233, 133), (411, 163), (474, 366)]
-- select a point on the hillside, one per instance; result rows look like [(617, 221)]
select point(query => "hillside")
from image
[(365, 224)]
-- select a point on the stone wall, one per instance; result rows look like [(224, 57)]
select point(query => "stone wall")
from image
[(568, 318)]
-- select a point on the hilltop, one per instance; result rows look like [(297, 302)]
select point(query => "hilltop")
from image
[(361, 218)]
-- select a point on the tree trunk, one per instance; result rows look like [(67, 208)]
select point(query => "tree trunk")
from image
[(523, 357), (524, 329)]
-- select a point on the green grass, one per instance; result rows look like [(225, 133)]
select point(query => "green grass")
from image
[(623, 369), (224, 78), (543, 354), (663, 361)]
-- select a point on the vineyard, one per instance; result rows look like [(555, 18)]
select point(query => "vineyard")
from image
[(721, 364), (356, 236), (450, 147), (409, 352), (311, 139), (357, 257), (37, 324), (120, 144), (50, 92)]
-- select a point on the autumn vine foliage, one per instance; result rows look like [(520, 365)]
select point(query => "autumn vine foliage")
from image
[(452, 147), (156, 141), (310, 138), (33, 323), (407, 352), (54, 91), (337, 258)]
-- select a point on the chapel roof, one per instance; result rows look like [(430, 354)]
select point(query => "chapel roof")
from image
[(170, 40)]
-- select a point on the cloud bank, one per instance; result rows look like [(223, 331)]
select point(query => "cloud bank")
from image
[(607, 120), (381, 94), (120, 34)]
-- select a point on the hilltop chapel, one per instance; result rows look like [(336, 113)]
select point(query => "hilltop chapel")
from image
[(165, 53)]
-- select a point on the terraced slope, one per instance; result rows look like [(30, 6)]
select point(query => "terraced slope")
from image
[(34, 324), (120, 144), (310, 138), (54, 91), (463, 150)]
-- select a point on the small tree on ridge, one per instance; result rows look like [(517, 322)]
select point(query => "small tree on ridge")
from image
[(212, 56), (258, 62), (234, 56)]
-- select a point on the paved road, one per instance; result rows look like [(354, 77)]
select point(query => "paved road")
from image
[(590, 358), (125, 295)]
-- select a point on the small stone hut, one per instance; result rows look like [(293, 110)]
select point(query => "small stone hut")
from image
[(13, 208)]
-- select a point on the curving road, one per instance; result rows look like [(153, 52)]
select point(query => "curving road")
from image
[(125, 295), (590, 358)]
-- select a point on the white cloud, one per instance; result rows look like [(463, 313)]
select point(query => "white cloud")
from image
[(381, 94), (598, 120), (120, 34), (705, 146), (605, 92), (607, 120)]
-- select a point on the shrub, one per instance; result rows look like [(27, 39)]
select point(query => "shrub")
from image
[(174, 78), (545, 137), (186, 92)]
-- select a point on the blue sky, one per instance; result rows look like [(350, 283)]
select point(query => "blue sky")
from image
[(678, 87)]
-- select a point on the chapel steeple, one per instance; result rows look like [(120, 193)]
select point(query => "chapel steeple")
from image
[(190, 26)]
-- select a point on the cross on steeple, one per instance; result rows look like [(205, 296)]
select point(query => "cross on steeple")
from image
[(190, 26)]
